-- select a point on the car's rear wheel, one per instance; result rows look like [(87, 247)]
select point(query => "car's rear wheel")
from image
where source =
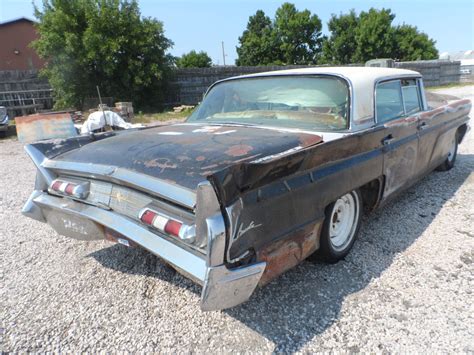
[(452, 154), (340, 227)]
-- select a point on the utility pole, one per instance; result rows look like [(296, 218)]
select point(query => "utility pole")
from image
[(223, 52)]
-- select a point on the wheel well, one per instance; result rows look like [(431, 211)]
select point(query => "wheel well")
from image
[(461, 132), (371, 193)]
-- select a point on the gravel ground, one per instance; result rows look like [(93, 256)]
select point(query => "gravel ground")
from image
[(407, 285)]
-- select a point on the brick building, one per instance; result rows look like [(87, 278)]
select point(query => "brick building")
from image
[(15, 53)]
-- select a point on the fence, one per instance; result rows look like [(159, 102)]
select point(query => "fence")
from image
[(187, 86)]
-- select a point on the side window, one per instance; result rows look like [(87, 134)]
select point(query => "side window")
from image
[(388, 101), (411, 96)]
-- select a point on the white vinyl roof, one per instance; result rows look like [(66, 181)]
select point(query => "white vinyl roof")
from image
[(362, 81)]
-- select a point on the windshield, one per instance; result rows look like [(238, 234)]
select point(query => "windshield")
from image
[(305, 102)]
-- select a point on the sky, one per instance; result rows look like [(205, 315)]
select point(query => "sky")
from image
[(204, 25)]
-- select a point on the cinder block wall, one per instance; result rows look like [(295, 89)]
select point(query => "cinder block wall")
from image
[(189, 85), (435, 72), (21, 80)]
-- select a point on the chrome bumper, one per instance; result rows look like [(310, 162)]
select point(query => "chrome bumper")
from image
[(222, 287)]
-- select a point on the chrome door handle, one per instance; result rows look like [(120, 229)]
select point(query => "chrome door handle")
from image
[(422, 126), (388, 139)]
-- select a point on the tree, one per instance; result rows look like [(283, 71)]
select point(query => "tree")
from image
[(293, 37), (298, 35), (339, 48), (359, 38), (413, 45), (102, 42), (374, 35), (257, 42), (194, 60)]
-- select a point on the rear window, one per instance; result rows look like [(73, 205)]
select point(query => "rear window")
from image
[(308, 102)]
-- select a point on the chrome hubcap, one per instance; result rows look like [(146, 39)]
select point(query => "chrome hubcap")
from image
[(452, 150), (344, 218)]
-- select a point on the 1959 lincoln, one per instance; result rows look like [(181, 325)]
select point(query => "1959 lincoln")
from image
[(270, 169)]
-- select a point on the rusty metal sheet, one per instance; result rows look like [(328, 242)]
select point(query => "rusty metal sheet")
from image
[(289, 252), (37, 127)]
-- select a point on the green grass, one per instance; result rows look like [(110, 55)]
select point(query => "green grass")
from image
[(159, 117), (447, 86)]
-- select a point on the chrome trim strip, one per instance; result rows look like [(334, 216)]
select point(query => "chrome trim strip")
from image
[(168, 191), (182, 259)]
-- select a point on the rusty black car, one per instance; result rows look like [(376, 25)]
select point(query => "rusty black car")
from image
[(270, 169)]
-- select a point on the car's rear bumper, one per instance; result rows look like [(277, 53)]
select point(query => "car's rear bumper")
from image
[(222, 287)]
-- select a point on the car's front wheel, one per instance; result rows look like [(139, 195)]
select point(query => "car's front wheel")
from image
[(340, 227)]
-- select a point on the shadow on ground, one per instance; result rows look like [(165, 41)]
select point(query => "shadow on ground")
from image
[(306, 300)]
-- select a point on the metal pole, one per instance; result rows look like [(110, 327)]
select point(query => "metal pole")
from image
[(102, 107), (223, 53)]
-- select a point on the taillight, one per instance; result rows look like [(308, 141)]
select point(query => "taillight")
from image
[(160, 222), (70, 189), (167, 225)]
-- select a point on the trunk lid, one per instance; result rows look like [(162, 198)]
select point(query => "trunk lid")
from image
[(185, 154)]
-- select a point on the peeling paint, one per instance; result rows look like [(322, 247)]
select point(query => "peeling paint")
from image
[(238, 150), (163, 163)]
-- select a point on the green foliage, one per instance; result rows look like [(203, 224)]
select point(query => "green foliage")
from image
[(339, 48), (293, 37), (102, 42), (369, 35), (194, 60), (374, 35), (413, 45), (257, 42)]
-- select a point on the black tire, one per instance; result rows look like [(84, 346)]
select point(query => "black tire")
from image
[(3, 134), (330, 251), (448, 164)]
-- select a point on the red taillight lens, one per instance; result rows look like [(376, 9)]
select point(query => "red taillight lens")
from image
[(172, 227), (69, 189), (56, 185), (147, 217)]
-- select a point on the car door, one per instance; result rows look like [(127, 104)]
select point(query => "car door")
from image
[(436, 137), (400, 142)]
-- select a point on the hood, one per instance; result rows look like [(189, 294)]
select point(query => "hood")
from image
[(186, 154)]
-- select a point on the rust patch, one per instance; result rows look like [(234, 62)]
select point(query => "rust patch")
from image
[(307, 140), (238, 150), (113, 236), (401, 121), (289, 252), (44, 126)]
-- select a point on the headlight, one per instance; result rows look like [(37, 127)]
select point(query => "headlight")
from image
[(4, 120)]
